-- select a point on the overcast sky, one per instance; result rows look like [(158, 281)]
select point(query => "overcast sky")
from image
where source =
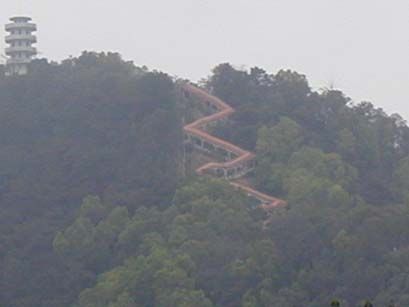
[(359, 46)]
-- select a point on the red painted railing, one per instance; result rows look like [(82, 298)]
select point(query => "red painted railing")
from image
[(197, 129)]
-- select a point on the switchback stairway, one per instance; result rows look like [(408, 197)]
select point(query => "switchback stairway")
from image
[(238, 162)]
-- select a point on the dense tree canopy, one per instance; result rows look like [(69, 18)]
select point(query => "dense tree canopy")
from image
[(343, 169), (207, 249), (96, 213), (90, 125)]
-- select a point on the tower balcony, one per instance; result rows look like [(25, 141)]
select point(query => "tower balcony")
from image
[(22, 49), (21, 26), (21, 37)]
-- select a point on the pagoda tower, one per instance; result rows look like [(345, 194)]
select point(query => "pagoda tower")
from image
[(20, 39)]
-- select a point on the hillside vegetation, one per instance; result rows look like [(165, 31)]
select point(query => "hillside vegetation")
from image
[(91, 125), (96, 212)]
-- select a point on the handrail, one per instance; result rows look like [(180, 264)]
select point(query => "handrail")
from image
[(196, 128)]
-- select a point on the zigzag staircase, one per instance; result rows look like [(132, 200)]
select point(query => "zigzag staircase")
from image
[(238, 162)]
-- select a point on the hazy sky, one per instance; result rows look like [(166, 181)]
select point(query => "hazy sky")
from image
[(359, 46)]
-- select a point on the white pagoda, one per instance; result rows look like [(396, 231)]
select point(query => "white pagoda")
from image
[(20, 39)]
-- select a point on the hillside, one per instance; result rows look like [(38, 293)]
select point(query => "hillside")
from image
[(102, 206), (92, 125)]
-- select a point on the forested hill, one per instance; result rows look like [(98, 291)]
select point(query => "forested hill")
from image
[(93, 125), (276, 111), (96, 211)]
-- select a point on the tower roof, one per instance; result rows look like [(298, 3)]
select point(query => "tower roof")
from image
[(20, 22), (20, 19)]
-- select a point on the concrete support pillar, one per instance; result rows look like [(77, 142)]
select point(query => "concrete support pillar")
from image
[(229, 155)]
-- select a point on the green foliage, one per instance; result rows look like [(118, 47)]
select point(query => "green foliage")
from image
[(92, 125), (90, 243), (270, 106), (335, 303), (206, 242), (401, 180), (96, 125), (280, 141), (343, 170)]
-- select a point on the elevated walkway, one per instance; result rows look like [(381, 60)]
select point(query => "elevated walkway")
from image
[(238, 162)]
